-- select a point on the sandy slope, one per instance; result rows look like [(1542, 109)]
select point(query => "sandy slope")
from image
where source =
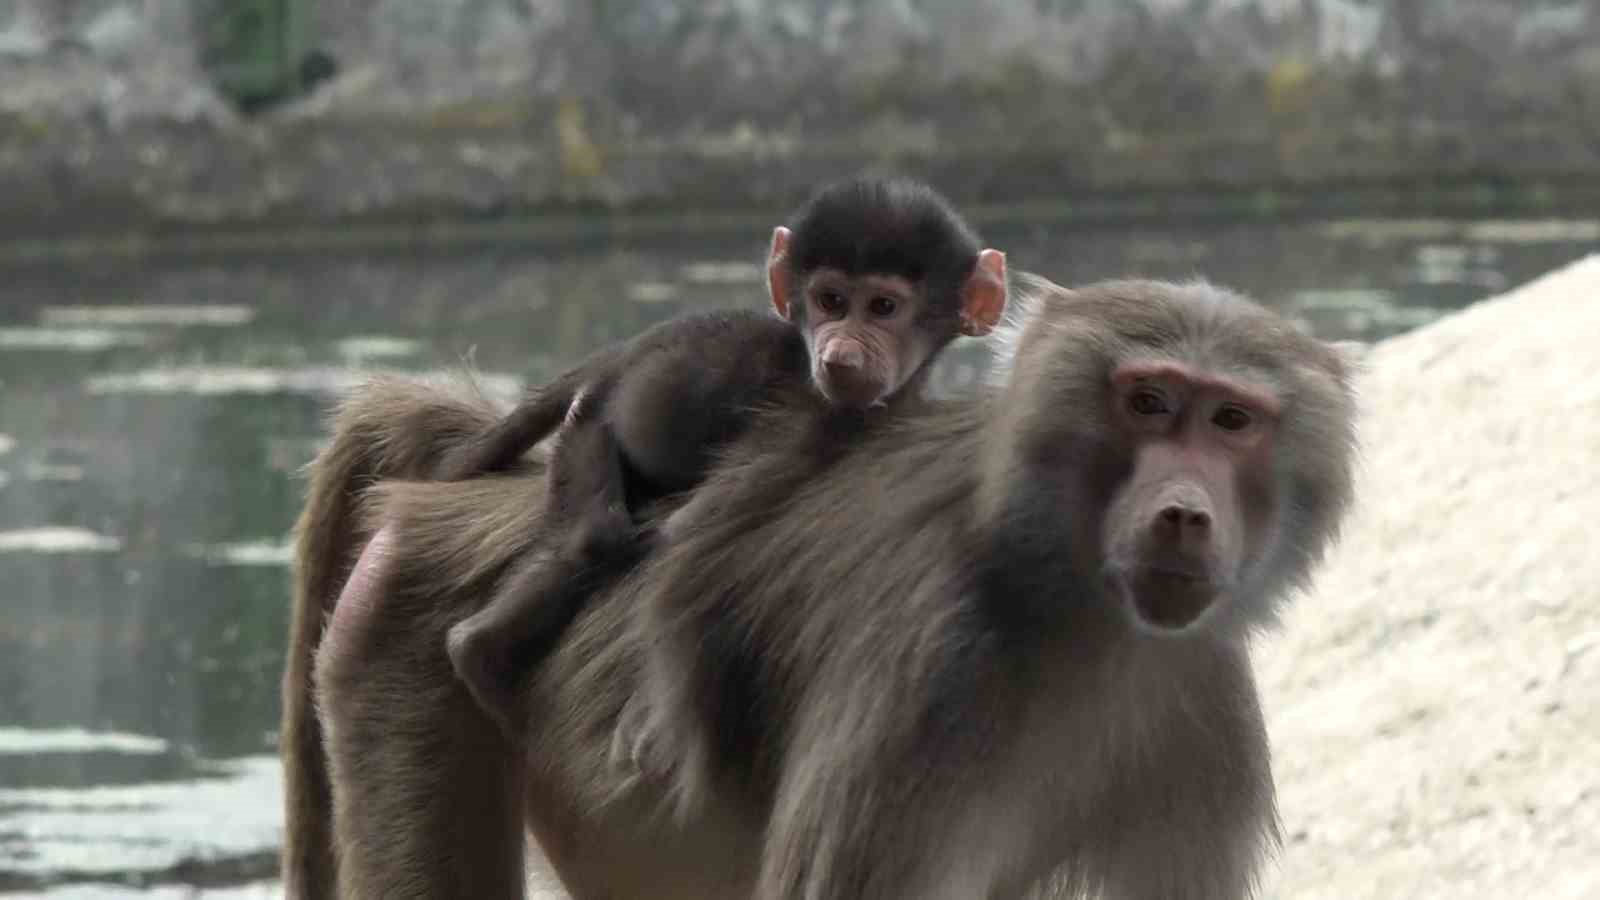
[(1435, 703)]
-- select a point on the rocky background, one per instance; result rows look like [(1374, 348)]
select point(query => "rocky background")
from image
[(1434, 704), (122, 116)]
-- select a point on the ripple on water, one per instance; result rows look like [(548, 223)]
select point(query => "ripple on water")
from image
[(53, 472), (1492, 231), (57, 539), (723, 273), (1354, 298), (226, 380), (376, 347), (1538, 231), (64, 740), (260, 891), (653, 292), (232, 809), (1361, 311), (71, 340), (149, 314), (1458, 264), (243, 553)]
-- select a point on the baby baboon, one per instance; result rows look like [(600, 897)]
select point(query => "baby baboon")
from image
[(872, 279)]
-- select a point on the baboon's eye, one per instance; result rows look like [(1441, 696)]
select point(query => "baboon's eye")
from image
[(830, 301), (1232, 418), (883, 305), (1147, 402)]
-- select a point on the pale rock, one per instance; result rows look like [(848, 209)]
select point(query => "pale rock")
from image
[(1434, 703)]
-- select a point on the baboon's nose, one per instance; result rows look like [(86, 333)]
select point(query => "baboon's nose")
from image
[(1183, 524), (1179, 517), (841, 355)]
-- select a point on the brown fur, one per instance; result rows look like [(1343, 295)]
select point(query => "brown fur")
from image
[(394, 429), (891, 673)]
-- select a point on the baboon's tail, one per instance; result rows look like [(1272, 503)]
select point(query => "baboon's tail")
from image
[(500, 446), (387, 428)]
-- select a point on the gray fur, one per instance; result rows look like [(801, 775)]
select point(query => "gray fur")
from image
[(887, 671)]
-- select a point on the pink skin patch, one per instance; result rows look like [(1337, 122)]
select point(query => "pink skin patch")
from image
[(356, 603), (1257, 398)]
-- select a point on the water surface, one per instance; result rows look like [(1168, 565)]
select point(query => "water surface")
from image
[(153, 421)]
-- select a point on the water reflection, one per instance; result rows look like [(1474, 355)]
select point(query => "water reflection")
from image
[(156, 813), (153, 423)]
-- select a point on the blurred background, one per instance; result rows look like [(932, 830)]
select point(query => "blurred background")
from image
[(218, 213)]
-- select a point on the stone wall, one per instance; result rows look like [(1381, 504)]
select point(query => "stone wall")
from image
[(488, 107)]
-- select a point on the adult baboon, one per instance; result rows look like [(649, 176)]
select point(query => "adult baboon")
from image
[(991, 649)]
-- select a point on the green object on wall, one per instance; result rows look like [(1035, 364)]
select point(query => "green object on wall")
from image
[(258, 51)]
